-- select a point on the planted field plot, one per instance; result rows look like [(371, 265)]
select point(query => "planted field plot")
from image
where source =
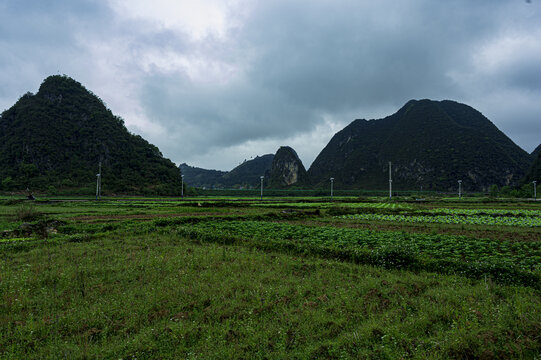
[(507, 261), (232, 278), (505, 220), (360, 205)]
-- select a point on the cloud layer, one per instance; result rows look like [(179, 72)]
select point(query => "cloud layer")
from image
[(214, 82)]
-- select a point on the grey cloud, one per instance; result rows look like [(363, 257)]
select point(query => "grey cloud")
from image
[(39, 38), (356, 60), (216, 117), (525, 75), (326, 58), (517, 114)]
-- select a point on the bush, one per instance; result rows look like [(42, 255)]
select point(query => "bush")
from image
[(493, 190), (26, 212), (51, 190), (7, 183)]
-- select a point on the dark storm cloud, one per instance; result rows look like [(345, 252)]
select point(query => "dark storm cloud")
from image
[(215, 116), (335, 58), (286, 71), (41, 38), (350, 56)]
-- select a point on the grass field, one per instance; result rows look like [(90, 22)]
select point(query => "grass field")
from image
[(303, 278)]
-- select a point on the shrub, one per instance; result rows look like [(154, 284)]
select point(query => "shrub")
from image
[(26, 212), (51, 190)]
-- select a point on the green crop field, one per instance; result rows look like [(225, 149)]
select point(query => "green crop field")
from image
[(282, 278)]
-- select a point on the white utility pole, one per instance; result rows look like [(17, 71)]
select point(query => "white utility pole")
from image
[(182, 188), (332, 181), (460, 189), (390, 183), (535, 190), (98, 183)]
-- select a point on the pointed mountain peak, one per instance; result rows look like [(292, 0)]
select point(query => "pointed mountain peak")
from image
[(287, 169)]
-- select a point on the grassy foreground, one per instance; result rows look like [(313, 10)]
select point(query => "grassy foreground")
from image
[(278, 279), (164, 296)]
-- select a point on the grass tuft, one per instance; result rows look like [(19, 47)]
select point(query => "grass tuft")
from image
[(26, 212)]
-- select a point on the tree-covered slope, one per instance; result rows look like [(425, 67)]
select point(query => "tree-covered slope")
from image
[(249, 172), (56, 138), (199, 177), (245, 175), (432, 144), (534, 173)]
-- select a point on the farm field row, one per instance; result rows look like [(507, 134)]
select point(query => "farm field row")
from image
[(506, 261), (329, 204), (488, 220)]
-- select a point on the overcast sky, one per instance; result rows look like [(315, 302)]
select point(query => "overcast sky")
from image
[(214, 82)]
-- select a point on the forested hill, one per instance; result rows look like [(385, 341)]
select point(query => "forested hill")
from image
[(55, 139), (432, 144), (199, 177), (245, 175), (249, 172)]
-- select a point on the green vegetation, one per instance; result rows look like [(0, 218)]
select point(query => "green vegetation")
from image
[(308, 205), (288, 278), (26, 211), (453, 219), (510, 262), (534, 174)]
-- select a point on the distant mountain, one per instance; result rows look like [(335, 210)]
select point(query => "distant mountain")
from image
[(249, 172), (245, 175), (199, 177), (287, 170), (431, 144), (55, 139)]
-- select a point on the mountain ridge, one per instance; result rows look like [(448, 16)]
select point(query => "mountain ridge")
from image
[(245, 175), (56, 137)]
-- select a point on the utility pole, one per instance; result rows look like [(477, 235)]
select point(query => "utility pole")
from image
[(390, 183), (332, 181), (534, 190), (98, 183), (182, 188), (460, 189), (262, 177)]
